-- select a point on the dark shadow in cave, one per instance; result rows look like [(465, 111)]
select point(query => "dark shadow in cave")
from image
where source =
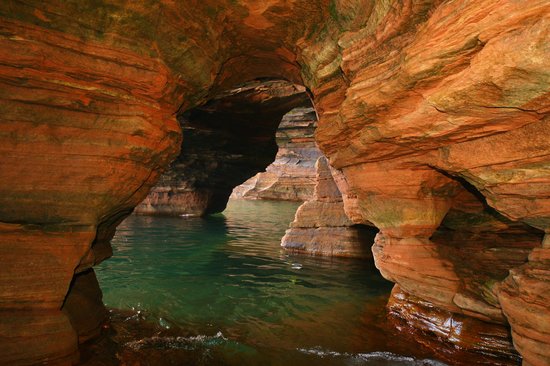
[(482, 245), (227, 140)]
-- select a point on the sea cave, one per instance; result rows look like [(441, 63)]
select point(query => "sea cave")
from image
[(275, 182)]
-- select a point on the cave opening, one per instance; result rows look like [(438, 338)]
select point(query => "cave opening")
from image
[(410, 96), (229, 139), (473, 252), (206, 282), (234, 135)]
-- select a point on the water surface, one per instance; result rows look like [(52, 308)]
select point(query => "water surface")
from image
[(221, 290)]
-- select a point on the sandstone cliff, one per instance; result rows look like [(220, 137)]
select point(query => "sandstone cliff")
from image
[(418, 101), (321, 226)]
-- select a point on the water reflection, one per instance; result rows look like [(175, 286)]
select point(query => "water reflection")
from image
[(226, 283)]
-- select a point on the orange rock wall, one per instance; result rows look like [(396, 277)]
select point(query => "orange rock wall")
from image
[(414, 97), (321, 226)]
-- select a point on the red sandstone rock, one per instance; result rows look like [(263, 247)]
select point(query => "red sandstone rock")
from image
[(524, 297), (73, 156), (321, 226), (491, 343), (410, 95), (84, 307)]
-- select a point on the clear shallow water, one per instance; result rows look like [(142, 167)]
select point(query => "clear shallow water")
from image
[(236, 298)]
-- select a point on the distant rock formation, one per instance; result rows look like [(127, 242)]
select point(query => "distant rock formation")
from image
[(242, 122), (291, 177)]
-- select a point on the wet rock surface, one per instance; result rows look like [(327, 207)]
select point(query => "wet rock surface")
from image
[(492, 343)]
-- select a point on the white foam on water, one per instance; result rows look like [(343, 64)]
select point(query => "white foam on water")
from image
[(318, 351), (174, 342), (405, 360), (380, 358)]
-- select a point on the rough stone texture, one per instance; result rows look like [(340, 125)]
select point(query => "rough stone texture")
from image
[(524, 297), (84, 307), (84, 134), (414, 97), (321, 226), (227, 141), (482, 246), (467, 94), (291, 177)]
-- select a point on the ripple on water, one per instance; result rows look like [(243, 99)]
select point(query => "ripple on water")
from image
[(241, 299), (372, 358)]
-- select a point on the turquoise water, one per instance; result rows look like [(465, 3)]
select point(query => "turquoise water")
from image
[(236, 298)]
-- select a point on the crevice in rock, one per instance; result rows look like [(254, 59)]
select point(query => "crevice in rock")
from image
[(84, 307)]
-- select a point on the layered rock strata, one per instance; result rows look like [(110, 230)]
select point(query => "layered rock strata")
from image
[(524, 298), (85, 132), (321, 226), (446, 332), (291, 177), (413, 97), (227, 141)]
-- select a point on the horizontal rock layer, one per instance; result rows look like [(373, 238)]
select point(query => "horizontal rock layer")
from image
[(321, 226), (480, 342), (417, 101), (291, 177), (524, 298)]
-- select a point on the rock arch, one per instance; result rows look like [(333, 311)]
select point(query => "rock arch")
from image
[(405, 90)]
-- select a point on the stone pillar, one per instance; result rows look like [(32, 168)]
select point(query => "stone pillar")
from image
[(321, 226), (37, 266), (84, 306), (407, 205)]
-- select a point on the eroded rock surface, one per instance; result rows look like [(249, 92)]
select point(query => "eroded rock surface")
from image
[(321, 226), (413, 98), (524, 297), (291, 177), (84, 307), (490, 343)]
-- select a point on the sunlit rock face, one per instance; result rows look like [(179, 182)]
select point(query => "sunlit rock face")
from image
[(321, 226), (227, 140), (291, 177), (415, 100)]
